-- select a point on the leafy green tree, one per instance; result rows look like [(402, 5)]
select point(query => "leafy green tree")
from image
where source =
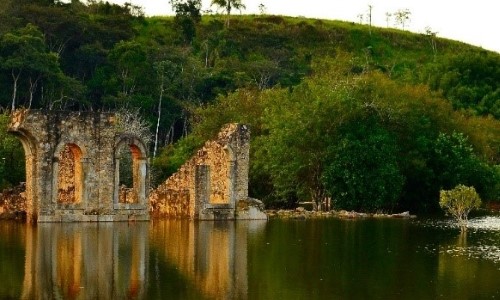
[(300, 125), (363, 173), (459, 202), (456, 163), (130, 63), (24, 55), (228, 5), (187, 16), (469, 80)]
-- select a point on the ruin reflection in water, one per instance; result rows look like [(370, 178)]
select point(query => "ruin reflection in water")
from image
[(112, 260), (212, 255), (86, 261)]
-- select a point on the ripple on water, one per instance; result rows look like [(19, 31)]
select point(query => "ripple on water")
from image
[(485, 223), (483, 240), (487, 247), (486, 252)]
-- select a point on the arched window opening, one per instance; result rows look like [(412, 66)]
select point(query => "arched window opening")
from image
[(13, 160), (70, 175), (130, 175)]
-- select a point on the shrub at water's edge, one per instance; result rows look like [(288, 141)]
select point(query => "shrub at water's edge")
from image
[(459, 202)]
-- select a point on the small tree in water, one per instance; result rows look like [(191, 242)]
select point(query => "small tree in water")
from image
[(459, 202)]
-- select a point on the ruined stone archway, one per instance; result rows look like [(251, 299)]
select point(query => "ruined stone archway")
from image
[(129, 153), (70, 166), (29, 143)]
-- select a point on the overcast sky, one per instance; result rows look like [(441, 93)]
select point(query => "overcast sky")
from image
[(475, 22)]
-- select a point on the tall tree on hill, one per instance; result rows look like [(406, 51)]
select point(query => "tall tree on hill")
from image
[(187, 15), (402, 17), (228, 5)]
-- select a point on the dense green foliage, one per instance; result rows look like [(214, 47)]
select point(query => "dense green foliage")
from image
[(12, 165), (365, 140), (470, 80), (334, 107), (363, 173)]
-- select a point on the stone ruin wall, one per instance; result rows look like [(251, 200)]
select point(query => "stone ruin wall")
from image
[(71, 164), (211, 183)]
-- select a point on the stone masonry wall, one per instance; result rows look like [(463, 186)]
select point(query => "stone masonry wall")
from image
[(71, 166), (73, 163), (13, 202), (211, 183)]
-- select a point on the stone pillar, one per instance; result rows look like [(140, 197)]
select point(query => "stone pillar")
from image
[(141, 180), (202, 187), (116, 194), (86, 183)]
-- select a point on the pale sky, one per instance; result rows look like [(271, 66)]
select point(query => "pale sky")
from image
[(475, 22)]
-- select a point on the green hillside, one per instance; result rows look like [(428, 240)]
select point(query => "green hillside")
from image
[(416, 112)]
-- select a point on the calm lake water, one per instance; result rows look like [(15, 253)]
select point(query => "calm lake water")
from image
[(278, 259)]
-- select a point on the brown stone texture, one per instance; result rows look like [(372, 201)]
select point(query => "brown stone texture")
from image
[(72, 166), (69, 188), (209, 185), (13, 202)]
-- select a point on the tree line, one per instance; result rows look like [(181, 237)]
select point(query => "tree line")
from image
[(362, 141), (311, 89)]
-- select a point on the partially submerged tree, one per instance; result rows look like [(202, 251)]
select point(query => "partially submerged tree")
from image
[(459, 202)]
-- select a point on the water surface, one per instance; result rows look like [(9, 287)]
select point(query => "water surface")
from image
[(279, 259)]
